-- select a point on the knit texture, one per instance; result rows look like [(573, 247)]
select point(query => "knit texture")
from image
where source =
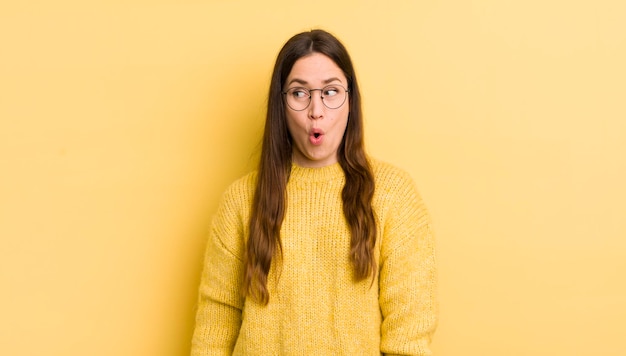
[(315, 306)]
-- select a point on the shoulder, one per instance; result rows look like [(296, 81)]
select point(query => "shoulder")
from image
[(395, 191), (242, 189), (229, 221), (390, 177), (236, 200), (402, 212)]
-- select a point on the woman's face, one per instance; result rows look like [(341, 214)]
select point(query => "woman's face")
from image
[(316, 131)]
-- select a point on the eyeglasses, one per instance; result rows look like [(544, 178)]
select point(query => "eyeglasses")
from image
[(299, 98)]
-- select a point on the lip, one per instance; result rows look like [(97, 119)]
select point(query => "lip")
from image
[(316, 136)]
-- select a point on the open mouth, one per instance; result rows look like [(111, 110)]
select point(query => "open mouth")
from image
[(316, 136)]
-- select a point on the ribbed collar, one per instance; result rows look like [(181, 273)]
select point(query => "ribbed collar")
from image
[(322, 174)]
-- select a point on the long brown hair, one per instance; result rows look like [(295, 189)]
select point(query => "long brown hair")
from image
[(269, 204)]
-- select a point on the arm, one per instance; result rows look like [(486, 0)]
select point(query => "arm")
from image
[(218, 317), (408, 277)]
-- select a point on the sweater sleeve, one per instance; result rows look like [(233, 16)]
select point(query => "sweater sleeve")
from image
[(218, 316), (408, 277)]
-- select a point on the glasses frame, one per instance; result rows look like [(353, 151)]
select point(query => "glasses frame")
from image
[(321, 90)]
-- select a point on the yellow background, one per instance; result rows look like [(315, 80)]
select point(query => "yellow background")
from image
[(122, 122)]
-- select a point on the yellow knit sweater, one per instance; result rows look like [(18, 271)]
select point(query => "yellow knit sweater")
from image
[(315, 307)]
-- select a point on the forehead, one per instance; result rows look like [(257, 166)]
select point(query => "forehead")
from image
[(315, 68)]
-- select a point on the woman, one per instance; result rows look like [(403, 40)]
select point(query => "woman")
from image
[(322, 250)]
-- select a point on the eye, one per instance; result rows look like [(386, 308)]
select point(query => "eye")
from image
[(299, 93), (331, 91)]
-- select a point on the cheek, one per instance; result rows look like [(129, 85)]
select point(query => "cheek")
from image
[(345, 123), (294, 122), (343, 118)]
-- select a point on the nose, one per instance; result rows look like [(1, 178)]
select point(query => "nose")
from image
[(316, 107)]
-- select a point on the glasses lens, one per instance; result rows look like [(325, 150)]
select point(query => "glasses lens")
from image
[(333, 96), (298, 98)]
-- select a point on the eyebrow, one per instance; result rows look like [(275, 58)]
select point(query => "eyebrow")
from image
[(304, 82)]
